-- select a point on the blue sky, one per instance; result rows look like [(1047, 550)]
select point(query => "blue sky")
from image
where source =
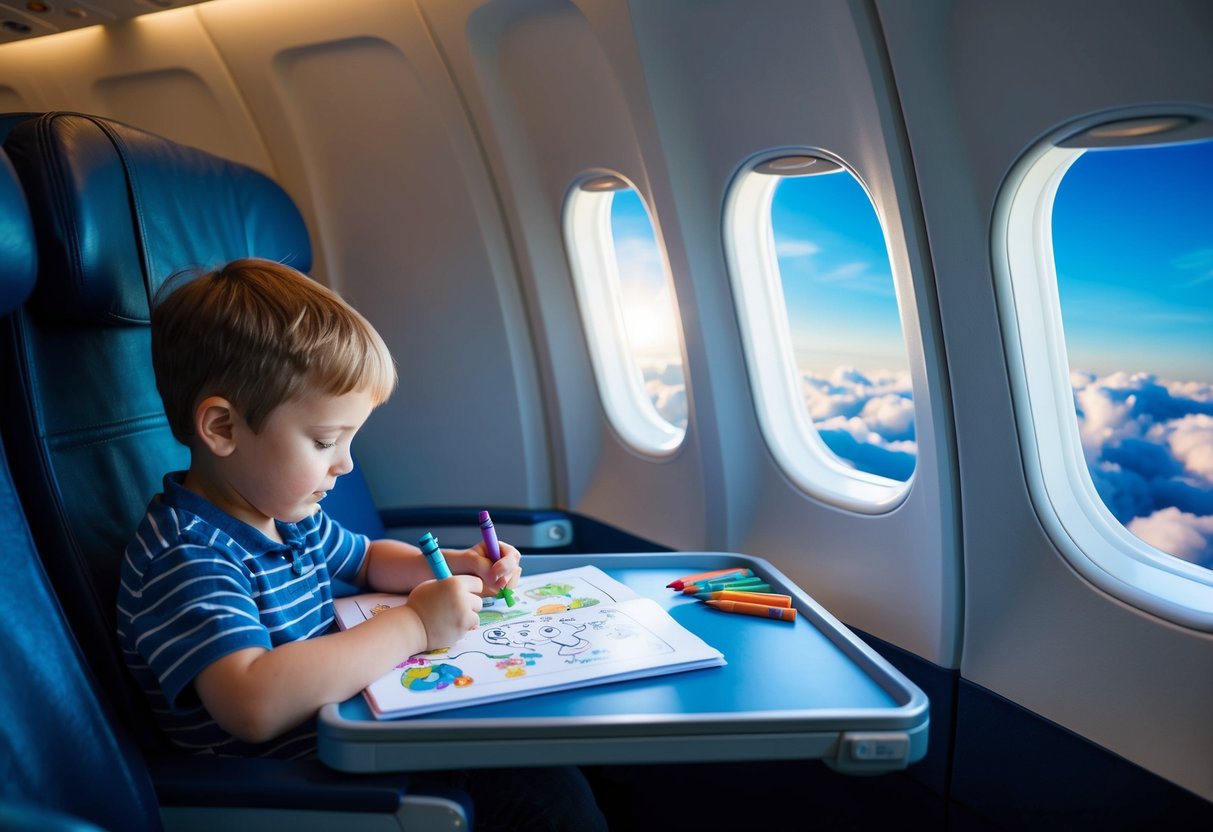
[(837, 282), (1133, 243)]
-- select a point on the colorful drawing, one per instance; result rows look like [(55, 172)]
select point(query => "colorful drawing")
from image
[(422, 675), (535, 653), (496, 616)]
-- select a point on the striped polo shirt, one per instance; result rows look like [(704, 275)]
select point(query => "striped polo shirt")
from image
[(197, 584)]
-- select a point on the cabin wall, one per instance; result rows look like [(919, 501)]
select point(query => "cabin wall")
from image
[(980, 82)]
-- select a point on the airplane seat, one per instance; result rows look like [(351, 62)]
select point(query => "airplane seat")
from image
[(115, 211), (62, 762)]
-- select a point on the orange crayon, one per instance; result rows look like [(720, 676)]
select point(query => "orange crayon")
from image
[(736, 571), (765, 598), (760, 610)]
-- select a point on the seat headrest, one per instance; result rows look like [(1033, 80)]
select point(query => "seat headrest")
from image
[(18, 266), (119, 210)]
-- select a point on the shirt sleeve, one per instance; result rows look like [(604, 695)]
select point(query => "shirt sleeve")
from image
[(344, 551), (197, 606)]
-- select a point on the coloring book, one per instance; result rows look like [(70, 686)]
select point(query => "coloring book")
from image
[(567, 629)]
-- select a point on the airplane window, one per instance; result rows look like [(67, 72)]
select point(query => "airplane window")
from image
[(828, 362), (1108, 271), (627, 306)]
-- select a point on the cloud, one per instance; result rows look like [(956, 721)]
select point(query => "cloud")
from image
[(796, 248), (1184, 535), (865, 419), (1190, 439), (890, 416), (665, 386), (1148, 443)]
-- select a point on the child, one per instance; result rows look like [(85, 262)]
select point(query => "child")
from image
[(225, 607)]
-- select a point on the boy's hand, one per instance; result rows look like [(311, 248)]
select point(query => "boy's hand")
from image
[(447, 608), (496, 576)]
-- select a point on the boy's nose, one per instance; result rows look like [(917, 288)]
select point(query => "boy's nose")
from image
[(343, 465)]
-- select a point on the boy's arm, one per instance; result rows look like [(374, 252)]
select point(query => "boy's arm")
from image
[(256, 694), (395, 566)]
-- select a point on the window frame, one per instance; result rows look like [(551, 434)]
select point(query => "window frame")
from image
[(589, 243), (1075, 517), (754, 278)]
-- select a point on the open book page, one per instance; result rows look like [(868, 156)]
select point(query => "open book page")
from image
[(555, 644), (545, 592)]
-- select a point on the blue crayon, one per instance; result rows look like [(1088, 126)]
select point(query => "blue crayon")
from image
[(429, 547)]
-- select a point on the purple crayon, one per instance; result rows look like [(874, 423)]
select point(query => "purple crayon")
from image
[(494, 549)]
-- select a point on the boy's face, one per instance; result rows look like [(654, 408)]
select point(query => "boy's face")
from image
[(285, 470)]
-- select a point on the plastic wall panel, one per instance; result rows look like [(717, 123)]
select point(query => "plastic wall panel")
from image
[(976, 98)]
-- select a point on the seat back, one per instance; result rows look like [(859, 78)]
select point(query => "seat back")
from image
[(58, 749), (116, 211)]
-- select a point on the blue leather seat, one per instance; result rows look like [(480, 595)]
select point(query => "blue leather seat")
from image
[(116, 210), (60, 757)]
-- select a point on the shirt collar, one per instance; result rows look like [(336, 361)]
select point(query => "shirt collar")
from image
[(177, 496)]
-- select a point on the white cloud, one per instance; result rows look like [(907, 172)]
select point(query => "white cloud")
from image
[(1190, 439), (849, 376), (889, 414), (1106, 419), (1187, 536), (796, 248)]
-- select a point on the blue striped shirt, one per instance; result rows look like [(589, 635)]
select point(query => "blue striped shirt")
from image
[(197, 584)]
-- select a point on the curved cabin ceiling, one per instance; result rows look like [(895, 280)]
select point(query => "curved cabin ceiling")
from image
[(26, 19)]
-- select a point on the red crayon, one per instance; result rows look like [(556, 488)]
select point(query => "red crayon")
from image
[(759, 610), (737, 571)]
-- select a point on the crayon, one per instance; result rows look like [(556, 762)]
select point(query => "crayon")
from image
[(429, 547), (489, 535), (680, 583), (767, 599), (747, 585), (756, 588), (732, 579), (758, 610), (734, 584), (716, 583)]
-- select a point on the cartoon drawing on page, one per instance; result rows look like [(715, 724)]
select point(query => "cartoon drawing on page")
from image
[(545, 652), (554, 592)]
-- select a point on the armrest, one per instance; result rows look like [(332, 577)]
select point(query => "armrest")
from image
[(187, 780), (25, 817)]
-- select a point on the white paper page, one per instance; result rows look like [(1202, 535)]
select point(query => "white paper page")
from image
[(542, 653)]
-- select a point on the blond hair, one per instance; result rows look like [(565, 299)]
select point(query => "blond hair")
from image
[(258, 334)]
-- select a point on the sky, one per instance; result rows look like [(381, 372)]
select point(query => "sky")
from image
[(1133, 250), (1133, 245), (837, 283), (647, 302)]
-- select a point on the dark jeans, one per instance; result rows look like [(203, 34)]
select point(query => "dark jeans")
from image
[(549, 799)]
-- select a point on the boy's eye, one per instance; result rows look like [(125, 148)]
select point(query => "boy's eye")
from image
[(324, 446)]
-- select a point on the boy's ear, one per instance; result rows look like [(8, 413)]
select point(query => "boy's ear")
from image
[(214, 422)]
